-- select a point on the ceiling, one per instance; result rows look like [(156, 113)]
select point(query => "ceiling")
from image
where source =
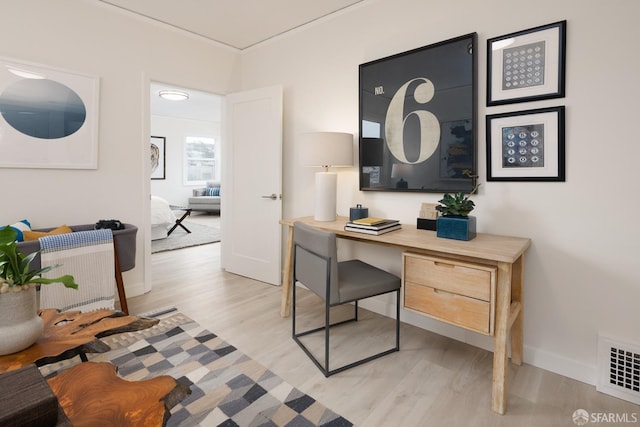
[(201, 106), (239, 24)]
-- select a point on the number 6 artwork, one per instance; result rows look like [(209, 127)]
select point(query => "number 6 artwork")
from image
[(418, 119), (429, 127)]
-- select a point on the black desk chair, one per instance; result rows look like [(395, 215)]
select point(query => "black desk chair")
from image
[(315, 265)]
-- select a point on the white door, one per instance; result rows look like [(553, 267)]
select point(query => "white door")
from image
[(251, 205)]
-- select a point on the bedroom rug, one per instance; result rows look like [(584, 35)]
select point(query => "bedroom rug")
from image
[(227, 387), (179, 239)]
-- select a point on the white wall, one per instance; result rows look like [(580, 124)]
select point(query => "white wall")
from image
[(175, 130), (126, 53), (581, 272)]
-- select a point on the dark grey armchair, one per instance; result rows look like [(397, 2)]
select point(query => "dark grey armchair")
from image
[(315, 265)]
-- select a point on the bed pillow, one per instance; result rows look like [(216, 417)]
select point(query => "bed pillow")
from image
[(161, 212), (35, 235), (20, 227)]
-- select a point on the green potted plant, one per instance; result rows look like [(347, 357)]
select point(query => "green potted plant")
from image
[(455, 221), (20, 325)]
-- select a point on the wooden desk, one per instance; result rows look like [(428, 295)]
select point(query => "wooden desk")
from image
[(503, 252)]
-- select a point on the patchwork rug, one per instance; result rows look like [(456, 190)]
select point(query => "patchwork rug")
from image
[(227, 387), (200, 235)]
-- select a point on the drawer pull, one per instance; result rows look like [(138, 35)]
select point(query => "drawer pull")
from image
[(443, 264)]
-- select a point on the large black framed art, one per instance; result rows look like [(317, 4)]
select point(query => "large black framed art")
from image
[(418, 119)]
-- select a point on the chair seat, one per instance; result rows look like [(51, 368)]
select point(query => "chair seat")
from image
[(360, 280)]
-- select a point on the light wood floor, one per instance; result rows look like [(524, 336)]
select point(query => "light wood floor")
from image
[(432, 381)]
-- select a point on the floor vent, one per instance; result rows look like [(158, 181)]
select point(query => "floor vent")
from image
[(619, 369)]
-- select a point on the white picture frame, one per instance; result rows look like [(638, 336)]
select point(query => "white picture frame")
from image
[(58, 133)]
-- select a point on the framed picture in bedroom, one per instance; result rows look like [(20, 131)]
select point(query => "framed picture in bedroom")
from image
[(418, 119), (158, 161), (526, 145), (527, 65)]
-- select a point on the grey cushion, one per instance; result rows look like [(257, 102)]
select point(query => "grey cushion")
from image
[(360, 280)]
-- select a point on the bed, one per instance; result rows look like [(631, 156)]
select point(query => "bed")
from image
[(162, 218)]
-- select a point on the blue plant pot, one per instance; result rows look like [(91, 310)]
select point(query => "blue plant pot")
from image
[(456, 227)]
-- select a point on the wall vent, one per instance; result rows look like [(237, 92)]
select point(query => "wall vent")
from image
[(619, 369)]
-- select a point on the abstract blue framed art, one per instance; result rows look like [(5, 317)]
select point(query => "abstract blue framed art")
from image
[(48, 117)]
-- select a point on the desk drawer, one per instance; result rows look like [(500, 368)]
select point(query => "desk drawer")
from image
[(457, 309), (455, 292), (472, 280)]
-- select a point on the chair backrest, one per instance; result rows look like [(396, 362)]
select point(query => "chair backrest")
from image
[(316, 262)]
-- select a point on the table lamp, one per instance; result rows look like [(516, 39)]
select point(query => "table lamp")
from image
[(326, 149)]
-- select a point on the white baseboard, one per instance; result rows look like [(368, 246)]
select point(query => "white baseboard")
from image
[(560, 365), (539, 358)]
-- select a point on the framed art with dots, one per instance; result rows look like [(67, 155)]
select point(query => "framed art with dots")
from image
[(526, 145), (527, 65)]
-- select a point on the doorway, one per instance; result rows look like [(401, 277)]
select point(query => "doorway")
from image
[(250, 252), (185, 156)]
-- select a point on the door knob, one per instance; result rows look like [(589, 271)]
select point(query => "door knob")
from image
[(271, 196)]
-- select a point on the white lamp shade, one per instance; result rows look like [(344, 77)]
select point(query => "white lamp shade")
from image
[(327, 149)]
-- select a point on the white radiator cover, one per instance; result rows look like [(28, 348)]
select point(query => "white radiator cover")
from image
[(619, 369)]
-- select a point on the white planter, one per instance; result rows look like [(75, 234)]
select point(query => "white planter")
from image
[(20, 325)]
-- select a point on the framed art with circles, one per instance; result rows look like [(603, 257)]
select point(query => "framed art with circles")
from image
[(526, 145), (527, 65)]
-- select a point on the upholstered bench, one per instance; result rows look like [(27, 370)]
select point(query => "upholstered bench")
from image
[(125, 241), (124, 248), (206, 199)]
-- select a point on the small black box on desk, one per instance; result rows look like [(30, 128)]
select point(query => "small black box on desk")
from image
[(427, 224)]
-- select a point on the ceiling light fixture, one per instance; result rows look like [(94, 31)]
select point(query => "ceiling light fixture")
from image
[(173, 95)]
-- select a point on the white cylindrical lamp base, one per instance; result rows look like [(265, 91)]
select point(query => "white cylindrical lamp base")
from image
[(325, 204)]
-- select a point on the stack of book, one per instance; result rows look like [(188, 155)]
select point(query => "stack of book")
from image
[(373, 226)]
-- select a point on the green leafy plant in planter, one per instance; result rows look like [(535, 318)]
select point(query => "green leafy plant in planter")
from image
[(20, 325), (457, 205), (455, 222), (15, 269)]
